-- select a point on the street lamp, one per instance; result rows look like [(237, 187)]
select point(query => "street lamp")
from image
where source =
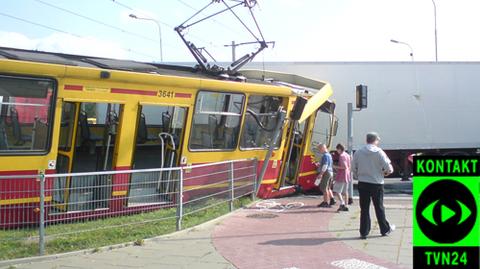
[(403, 43), (133, 16), (435, 18)]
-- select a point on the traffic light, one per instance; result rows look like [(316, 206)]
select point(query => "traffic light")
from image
[(361, 96)]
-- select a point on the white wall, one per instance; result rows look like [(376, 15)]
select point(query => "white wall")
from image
[(411, 105)]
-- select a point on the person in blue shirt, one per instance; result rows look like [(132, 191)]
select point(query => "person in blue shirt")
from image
[(325, 175)]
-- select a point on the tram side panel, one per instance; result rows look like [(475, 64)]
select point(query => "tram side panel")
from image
[(84, 85)]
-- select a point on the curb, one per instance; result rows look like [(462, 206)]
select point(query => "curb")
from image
[(25, 260)]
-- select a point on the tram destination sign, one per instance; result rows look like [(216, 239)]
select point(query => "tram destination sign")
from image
[(446, 227)]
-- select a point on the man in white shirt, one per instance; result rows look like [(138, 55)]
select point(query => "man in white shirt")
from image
[(369, 166)]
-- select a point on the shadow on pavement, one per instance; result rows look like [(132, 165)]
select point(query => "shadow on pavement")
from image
[(310, 211), (301, 210), (272, 242), (310, 241)]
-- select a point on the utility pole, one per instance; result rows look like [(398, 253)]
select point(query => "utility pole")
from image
[(234, 46), (435, 18), (233, 50), (350, 128), (361, 103)]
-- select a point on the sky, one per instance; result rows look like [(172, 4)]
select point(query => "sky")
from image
[(303, 30)]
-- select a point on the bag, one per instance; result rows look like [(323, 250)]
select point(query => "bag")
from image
[(317, 181)]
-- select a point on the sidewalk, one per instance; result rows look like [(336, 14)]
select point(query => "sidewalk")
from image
[(397, 248), (186, 249), (306, 237), (312, 237)]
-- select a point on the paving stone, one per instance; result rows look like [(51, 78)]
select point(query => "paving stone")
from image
[(397, 247)]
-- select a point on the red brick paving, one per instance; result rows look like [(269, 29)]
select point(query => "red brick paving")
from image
[(296, 238)]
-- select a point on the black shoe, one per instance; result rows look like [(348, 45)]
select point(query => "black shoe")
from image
[(350, 201), (332, 201), (323, 204), (342, 208), (392, 228)]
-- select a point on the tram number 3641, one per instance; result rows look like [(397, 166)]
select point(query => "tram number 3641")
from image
[(166, 94)]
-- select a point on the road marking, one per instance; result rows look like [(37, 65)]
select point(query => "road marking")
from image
[(355, 264), (274, 206)]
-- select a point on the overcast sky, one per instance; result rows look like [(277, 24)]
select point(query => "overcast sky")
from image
[(304, 30)]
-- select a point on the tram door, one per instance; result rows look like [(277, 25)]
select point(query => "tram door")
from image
[(158, 145), (294, 149), (86, 144)]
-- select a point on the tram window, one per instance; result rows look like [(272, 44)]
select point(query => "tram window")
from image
[(299, 134), (321, 130), (25, 114), (216, 122), (155, 119), (178, 122), (66, 126), (264, 109), (92, 109)]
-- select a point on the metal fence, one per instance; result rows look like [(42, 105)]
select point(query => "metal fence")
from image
[(38, 208)]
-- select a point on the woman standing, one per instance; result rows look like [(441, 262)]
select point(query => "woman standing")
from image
[(343, 177)]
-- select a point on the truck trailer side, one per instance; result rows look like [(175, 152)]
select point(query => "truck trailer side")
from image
[(417, 107)]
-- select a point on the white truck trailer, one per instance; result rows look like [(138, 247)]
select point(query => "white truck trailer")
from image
[(416, 107)]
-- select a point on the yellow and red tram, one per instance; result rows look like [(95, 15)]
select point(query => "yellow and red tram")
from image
[(67, 113)]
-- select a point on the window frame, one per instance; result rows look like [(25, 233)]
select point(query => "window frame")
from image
[(329, 132), (51, 116), (241, 116), (263, 114), (70, 138)]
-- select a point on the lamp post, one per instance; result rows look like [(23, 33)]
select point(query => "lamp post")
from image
[(435, 18), (406, 44), (133, 16)]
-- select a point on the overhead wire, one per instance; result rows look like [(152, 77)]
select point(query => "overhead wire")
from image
[(37, 24), (132, 9), (112, 26), (68, 33), (229, 8), (214, 20), (162, 22), (95, 20), (106, 24), (240, 20)]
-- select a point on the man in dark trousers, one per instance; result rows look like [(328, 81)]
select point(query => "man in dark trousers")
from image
[(369, 166)]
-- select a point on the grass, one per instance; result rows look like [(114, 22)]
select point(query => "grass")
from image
[(85, 235)]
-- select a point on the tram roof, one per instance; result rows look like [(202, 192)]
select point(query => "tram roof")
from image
[(298, 85), (114, 64), (97, 62)]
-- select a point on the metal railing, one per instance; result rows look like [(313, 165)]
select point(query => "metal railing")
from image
[(39, 208)]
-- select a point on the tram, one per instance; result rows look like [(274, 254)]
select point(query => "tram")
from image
[(62, 113)]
